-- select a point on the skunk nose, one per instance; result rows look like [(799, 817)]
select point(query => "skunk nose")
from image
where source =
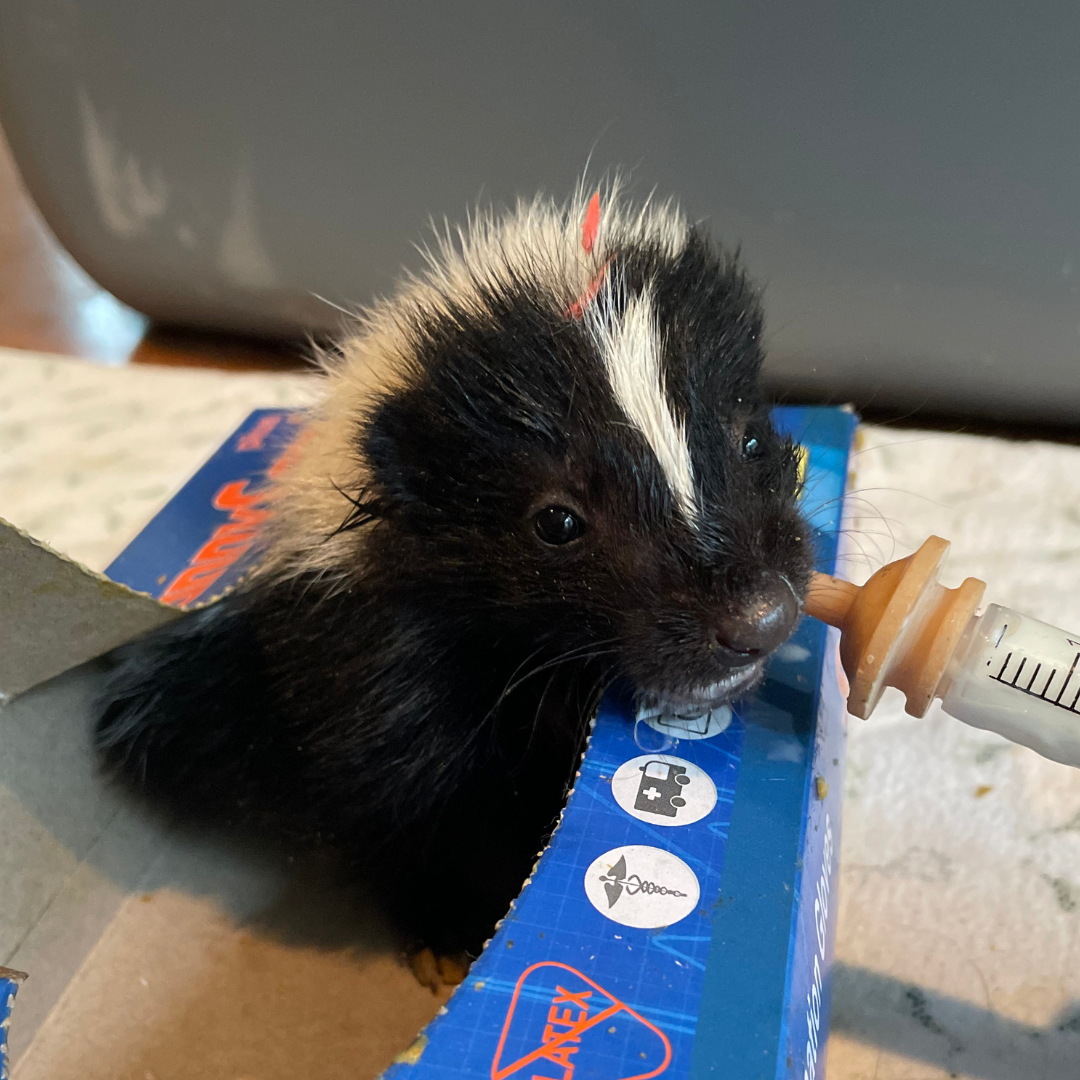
[(760, 621)]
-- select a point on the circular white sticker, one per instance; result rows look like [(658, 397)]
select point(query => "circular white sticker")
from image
[(676, 726), (663, 790), (640, 886)]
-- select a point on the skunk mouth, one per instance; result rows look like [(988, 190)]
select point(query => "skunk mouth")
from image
[(701, 699)]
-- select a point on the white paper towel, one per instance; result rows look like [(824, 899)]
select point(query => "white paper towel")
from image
[(959, 935)]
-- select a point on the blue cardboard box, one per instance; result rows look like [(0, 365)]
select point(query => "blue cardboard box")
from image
[(680, 922), (9, 986)]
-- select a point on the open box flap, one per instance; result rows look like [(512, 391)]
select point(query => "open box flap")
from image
[(56, 614)]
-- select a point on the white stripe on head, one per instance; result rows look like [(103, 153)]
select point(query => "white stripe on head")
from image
[(631, 349)]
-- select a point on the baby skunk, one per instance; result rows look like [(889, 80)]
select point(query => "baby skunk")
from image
[(546, 464)]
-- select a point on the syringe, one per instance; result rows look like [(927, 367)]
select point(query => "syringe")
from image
[(1000, 670)]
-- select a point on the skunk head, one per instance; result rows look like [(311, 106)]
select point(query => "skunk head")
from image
[(557, 435)]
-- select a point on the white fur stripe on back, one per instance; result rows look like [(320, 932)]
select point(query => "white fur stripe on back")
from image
[(630, 346)]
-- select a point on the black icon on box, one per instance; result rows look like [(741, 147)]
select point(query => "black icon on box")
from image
[(617, 879), (661, 787), (692, 725)]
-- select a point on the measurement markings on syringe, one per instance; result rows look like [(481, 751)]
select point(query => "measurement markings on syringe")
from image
[(1010, 674)]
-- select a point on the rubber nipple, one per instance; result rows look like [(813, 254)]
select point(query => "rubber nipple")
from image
[(899, 629)]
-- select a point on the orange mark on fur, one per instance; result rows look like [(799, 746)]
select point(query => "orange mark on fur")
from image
[(577, 308), (591, 225), (589, 229)]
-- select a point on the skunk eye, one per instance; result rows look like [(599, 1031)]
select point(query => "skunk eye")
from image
[(557, 525), (751, 448)]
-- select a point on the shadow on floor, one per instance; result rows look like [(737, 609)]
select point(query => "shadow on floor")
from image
[(954, 1035)]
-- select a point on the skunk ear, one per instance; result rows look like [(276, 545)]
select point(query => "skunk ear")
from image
[(381, 448), (394, 449)]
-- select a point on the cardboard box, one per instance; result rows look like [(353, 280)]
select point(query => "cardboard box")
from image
[(9, 984), (679, 923)]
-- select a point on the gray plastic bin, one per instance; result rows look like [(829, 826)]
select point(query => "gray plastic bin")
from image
[(904, 179)]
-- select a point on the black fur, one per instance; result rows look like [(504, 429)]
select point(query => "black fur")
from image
[(425, 715)]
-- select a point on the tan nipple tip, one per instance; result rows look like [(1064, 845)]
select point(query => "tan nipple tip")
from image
[(899, 629)]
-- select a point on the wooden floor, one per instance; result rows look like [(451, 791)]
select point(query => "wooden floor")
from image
[(48, 304)]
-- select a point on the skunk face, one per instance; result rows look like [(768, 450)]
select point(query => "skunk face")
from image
[(602, 480), (540, 466)]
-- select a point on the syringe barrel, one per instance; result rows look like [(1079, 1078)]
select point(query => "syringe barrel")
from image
[(1021, 678)]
